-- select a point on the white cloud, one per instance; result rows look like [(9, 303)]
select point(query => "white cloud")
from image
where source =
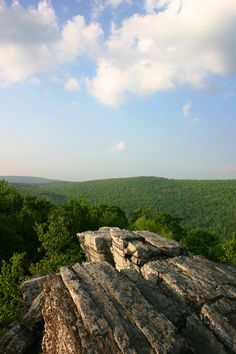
[(77, 39), (179, 45), (186, 109), (72, 84), (175, 43), (119, 147), (31, 40)]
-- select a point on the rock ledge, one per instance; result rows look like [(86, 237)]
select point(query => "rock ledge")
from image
[(139, 293)]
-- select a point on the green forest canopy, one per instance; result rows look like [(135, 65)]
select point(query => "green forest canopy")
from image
[(210, 204), (38, 236)]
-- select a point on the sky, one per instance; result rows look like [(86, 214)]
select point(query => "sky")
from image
[(93, 89)]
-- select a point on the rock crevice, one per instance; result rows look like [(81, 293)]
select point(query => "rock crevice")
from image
[(137, 293)]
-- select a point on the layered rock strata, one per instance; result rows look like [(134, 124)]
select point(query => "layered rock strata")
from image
[(178, 305), (157, 301), (126, 249)]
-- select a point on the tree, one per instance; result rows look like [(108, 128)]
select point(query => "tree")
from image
[(76, 215), (169, 226), (202, 242), (144, 223), (162, 223), (11, 276), (34, 210), (109, 215), (228, 250), (59, 246)]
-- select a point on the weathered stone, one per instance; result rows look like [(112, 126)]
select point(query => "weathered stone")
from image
[(159, 301), (126, 249), (123, 262), (195, 279), (17, 340), (221, 318), (200, 338), (31, 289), (207, 287), (96, 245), (142, 250), (166, 246), (112, 311), (25, 336), (122, 238)]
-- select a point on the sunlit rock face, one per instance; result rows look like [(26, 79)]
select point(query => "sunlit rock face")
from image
[(126, 249), (138, 293)]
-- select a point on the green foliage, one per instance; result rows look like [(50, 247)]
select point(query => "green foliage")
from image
[(59, 246), (207, 204), (56, 238), (18, 215), (47, 232), (81, 216), (108, 215), (228, 250), (202, 242), (34, 211), (162, 223), (11, 276), (52, 264), (77, 215), (144, 223)]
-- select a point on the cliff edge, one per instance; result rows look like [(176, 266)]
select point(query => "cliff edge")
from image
[(138, 293)]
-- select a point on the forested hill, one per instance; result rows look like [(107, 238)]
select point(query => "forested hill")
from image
[(27, 179), (201, 203)]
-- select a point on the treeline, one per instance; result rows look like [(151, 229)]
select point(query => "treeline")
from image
[(209, 204), (198, 241), (38, 237)]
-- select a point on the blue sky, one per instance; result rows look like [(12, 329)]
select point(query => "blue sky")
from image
[(116, 88)]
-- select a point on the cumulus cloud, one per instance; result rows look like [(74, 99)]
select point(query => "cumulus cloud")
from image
[(119, 147), (31, 40), (72, 84), (184, 43), (186, 109), (175, 43)]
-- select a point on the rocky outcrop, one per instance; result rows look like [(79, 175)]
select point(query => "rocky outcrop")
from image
[(97, 245), (126, 249), (26, 336), (31, 289), (177, 305), (158, 300)]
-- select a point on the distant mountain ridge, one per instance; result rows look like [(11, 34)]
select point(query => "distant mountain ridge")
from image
[(210, 204), (29, 179)]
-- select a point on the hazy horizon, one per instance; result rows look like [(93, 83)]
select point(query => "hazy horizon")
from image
[(124, 177), (98, 89)]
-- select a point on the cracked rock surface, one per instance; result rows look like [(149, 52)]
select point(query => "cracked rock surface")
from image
[(139, 293), (93, 308), (126, 249)]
